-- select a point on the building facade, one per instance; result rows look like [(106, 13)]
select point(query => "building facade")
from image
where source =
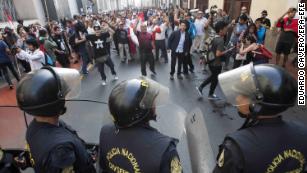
[(275, 8)]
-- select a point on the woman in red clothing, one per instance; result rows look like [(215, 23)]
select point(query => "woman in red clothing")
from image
[(288, 36)]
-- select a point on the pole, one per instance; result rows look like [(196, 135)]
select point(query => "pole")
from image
[(47, 13)]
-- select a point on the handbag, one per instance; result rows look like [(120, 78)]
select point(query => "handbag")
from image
[(239, 56), (102, 59)]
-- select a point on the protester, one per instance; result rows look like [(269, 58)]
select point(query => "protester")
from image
[(5, 62), (179, 43), (159, 38), (102, 57), (287, 39), (264, 20), (146, 47), (62, 50)]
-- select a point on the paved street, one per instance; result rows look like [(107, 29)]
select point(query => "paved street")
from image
[(217, 119)]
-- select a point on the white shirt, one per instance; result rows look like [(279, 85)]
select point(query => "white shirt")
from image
[(200, 25), (90, 30), (160, 36), (35, 58), (181, 43)]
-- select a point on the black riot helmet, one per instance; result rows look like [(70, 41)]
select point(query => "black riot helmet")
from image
[(43, 92), (269, 88), (134, 101)]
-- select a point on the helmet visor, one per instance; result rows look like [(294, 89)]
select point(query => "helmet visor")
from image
[(156, 94), (70, 82), (237, 84)]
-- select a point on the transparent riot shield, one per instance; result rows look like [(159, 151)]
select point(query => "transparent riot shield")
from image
[(13, 125)]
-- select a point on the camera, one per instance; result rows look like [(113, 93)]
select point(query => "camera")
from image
[(14, 50), (213, 10)]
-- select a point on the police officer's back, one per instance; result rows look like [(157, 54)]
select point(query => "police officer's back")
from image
[(131, 144), (54, 146), (265, 143)]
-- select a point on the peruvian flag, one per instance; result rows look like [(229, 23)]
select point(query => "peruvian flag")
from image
[(9, 18)]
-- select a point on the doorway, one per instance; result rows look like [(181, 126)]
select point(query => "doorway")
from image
[(233, 7)]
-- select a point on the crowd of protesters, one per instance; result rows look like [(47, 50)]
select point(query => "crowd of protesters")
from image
[(147, 35)]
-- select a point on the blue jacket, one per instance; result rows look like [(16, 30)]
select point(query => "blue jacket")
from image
[(192, 29), (4, 58)]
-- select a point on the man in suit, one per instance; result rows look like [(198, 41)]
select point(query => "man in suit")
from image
[(179, 43)]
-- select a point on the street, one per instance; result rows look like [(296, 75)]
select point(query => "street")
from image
[(187, 117)]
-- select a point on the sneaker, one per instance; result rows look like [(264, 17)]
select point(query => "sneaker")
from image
[(199, 91), (85, 73), (179, 77), (171, 77), (154, 73), (213, 97), (103, 83), (115, 77), (191, 70)]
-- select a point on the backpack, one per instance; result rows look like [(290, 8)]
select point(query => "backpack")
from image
[(208, 54), (48, 60)]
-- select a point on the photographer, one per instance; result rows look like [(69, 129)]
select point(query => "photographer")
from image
[(35, 57), (21, 43)]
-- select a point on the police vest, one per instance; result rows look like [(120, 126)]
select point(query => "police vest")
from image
[(43, 137), (273, 147), (133, 150)]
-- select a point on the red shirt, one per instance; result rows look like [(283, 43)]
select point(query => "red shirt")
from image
[(289, 25)]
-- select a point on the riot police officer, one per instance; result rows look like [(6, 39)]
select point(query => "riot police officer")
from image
[(131, 144), (265, 143), (54, 146)]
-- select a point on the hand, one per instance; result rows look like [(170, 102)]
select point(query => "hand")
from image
[(233, 22), (18, 50), (288, 29), (201, 61)]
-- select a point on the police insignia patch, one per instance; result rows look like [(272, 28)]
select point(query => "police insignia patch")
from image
[(69, 169), (176, 165), (220, 161)]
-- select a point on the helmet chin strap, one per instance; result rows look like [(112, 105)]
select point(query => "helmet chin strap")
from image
[(251, 118)]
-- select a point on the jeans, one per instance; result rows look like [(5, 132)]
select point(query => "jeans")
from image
[(213, 78), (122, 48), (198, 42), (180, 57), (160, 45), (3, 67), (144, 58), (100, 67), (187, 62), (85, 59)]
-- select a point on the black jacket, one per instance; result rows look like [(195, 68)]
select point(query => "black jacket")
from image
[(174, 39)]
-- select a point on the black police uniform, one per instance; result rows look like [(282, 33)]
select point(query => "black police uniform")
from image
[(271, 146), (61, 149), (140, 148)]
